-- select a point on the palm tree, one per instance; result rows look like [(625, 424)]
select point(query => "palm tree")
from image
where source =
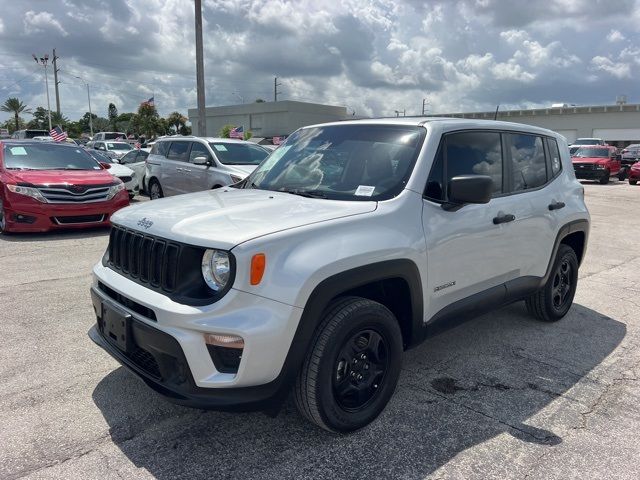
[(16, 106), (177, 120)]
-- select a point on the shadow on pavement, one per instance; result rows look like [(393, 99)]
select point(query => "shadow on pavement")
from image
[(464, 387), (55, 235)]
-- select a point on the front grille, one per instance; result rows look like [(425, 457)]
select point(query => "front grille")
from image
[(584, 166), (79, 219), (125, 179), (74, 193), (145, 361), (147, 259)]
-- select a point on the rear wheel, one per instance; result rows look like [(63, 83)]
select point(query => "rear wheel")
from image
[(632, 182), (553, 300), (155, 190), (622, 175), (352, 369)]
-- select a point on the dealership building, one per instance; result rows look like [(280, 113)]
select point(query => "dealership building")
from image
[(266, 119), (618, 125)]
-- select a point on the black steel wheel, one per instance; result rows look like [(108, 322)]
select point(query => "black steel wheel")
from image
[(352, 369), (604, 179), (155, 190), (554, 299), (3, 220)]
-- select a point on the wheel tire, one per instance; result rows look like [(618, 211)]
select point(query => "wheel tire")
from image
[(131, 195), (622, 176), (155, 190), (605, 178), (348, 323), (632, 182), (554, 299), (3, 221)]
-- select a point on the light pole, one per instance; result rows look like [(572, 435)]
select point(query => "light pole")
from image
[(89, 100), (44, 60), (239, 96)]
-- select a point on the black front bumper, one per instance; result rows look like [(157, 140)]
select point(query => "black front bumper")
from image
[(159, 361), (584, 174)]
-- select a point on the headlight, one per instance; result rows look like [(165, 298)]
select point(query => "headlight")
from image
[(600, 167), (27, 191), (118, 187), (216, 269)]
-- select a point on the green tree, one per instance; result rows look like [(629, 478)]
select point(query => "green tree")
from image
[(147, 121), (58, 119), (248, 134), (112, 115), (176, 120), (100, 124), (259, 100), (15, 106), (226, 131), (84, 122), (40, 119), (11, 126), (185, 130)]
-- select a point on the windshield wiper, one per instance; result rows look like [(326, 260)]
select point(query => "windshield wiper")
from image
[(307, 193)]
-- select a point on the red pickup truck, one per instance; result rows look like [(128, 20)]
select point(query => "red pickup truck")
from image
[(597, 162)]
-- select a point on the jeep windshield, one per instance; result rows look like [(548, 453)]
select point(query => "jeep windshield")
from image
[(47, 156), (583, 152), (342, 162)]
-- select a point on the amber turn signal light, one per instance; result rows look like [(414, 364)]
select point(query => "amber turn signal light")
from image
[(258, 264)]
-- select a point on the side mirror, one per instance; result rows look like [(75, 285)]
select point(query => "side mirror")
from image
[(201, 161), (105, 165), (466, 189)]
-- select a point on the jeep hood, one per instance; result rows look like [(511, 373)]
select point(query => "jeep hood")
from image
[(226, 217)]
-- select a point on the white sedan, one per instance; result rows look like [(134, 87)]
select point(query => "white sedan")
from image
[(135, 160), (126, 174)]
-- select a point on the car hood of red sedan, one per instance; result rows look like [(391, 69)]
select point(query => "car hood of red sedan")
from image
[(61, 177)]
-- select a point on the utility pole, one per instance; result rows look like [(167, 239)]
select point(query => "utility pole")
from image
[(44, 60), (202, 119), (424, 104), (55, 80), (275, 89)]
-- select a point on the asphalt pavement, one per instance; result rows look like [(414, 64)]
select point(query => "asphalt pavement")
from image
[(502, 396)]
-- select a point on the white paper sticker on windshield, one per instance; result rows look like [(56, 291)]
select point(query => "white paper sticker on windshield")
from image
[(364, 190), (18, 151), (220, 148)]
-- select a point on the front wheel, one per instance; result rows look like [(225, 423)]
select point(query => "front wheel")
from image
[(553, 300), (605, 178), (352, 368), (155, 190), (632, 182), (622, 175), (3, 220)]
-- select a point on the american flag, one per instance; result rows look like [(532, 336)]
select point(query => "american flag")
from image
[(58, 134), (119, 139), (277, 140), (149, 102), (237, 132), (137, 146)]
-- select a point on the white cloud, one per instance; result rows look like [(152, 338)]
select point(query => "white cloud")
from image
[(615, 36), (42, 21), (617, 69)]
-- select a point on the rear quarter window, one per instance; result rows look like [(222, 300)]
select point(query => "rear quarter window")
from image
[(160, 148)]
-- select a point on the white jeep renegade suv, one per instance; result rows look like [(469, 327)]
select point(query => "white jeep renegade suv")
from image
[(350, 243)]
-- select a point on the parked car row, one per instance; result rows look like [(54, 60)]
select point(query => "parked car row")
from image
[(602, 162)]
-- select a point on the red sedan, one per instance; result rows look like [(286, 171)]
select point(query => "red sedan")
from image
[(634, 173), (45, 186)]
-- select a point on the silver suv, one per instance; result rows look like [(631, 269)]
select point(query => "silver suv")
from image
[(182, 164)]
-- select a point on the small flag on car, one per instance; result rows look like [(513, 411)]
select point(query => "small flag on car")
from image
[(58, 134), (276, 140), (237, 132), (137, 146)]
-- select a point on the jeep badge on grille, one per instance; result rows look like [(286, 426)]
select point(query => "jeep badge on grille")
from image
[(146, 224)]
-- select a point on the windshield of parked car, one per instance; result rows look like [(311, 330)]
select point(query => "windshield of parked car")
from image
[(586, 152), (119, 146), (239, 153), (586, 141), (99, 156), (114, 136), (47, 156), (342, 162)]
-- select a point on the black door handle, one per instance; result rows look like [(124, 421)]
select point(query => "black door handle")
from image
[(503, 218), (556, 205)]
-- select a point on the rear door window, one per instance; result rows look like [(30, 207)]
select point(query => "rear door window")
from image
[(528, 163), (178, 151)]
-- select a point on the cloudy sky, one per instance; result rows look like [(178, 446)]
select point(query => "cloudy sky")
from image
[(373, 56)]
